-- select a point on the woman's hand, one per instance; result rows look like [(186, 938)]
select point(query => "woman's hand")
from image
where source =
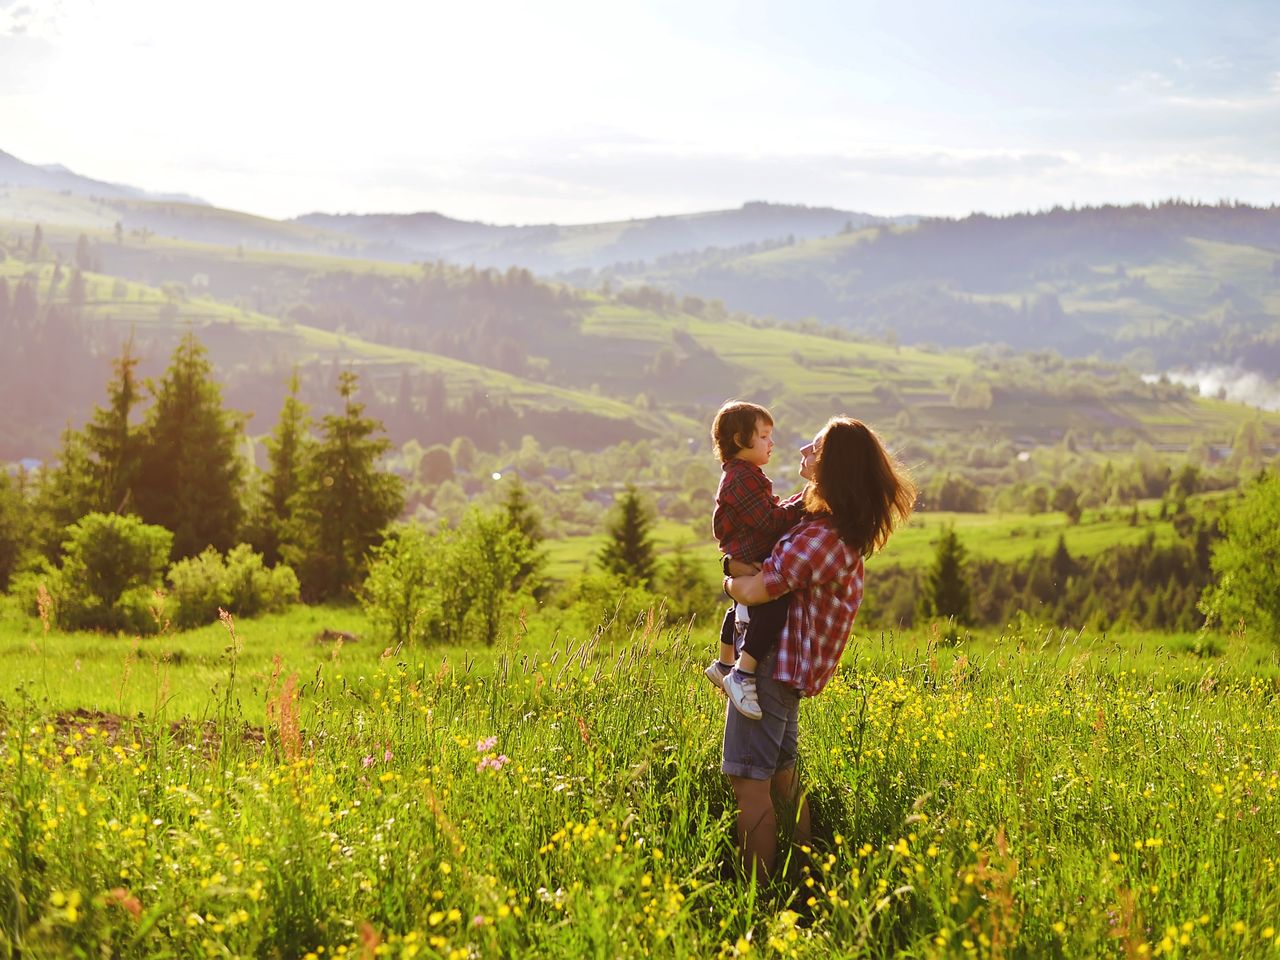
[(740, 568), (749, 590)]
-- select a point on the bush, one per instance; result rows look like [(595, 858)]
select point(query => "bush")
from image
[(241, 584), (607, 602), (398, 594), (455, 586), (110, 572)]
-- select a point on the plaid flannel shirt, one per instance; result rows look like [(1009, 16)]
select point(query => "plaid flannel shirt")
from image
[(748, 519), (824, 576)]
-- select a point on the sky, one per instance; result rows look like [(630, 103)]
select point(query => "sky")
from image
[(574, 111)]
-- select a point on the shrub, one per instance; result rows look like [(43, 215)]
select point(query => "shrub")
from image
[(397, 594), (110, 571), (241, 583), (454, 586)]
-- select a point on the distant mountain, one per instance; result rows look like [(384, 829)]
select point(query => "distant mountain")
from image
[(56, 177), (552, 248)]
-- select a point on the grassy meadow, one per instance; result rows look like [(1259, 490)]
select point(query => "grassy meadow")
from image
[(1032, 793)]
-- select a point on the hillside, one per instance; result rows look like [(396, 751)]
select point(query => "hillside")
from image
[(552, 248), (1157, 287), (56, 365), (450, 350), (17, 174)]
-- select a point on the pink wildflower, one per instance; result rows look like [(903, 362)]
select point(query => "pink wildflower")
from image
[(368, 761), (488, 743), (493, 763)]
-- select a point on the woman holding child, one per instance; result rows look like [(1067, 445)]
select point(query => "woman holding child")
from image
[(856, 496)]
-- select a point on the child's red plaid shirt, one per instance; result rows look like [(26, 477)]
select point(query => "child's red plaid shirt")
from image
[(824, 576), (748, 518)]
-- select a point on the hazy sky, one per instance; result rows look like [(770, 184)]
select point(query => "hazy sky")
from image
[(577, 110)]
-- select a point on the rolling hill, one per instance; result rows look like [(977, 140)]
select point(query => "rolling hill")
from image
[(1157, 287), (574, 368)]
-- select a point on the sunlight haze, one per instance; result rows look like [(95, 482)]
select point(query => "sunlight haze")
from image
[(573, 111)]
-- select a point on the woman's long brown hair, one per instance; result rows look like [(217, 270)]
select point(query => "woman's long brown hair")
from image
[(867, 492)]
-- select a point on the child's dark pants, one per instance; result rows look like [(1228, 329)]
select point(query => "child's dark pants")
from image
[(767, 621)]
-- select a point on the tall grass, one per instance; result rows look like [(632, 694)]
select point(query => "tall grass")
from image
[(1033, 799)]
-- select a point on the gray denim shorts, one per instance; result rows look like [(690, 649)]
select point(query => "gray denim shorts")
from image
[(757, 749)]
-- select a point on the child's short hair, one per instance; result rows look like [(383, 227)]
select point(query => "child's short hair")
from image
[(734, 425)]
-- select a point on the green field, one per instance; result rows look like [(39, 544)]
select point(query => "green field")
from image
[(1006, 537), (1037, 794)]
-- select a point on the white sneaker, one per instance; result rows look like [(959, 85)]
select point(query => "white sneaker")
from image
[(741, 688), (716, 673)]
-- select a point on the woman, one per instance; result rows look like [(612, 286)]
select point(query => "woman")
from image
[(857, 495)]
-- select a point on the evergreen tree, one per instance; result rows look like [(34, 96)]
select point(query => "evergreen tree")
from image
[(687, 589), (628, 551), (522, 519), (287, 450), (67, 490), (344, 501), (191, 469), (14, 522), (115, 445), (946, 586), (37, 242)]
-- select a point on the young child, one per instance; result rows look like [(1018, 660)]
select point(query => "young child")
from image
[(747, 522)]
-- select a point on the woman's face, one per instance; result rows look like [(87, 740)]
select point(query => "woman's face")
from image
[(809, 457)]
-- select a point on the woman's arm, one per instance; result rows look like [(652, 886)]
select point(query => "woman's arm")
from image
[(749, 590)]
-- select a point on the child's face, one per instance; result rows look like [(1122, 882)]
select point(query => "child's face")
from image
[(760, 448)]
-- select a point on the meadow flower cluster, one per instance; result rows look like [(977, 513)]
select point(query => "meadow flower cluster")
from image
[(1015, 803)]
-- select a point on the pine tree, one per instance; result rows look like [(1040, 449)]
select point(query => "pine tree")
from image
[(191, 469), (14, 522), (946, 585), (344, 501), (686, 587), (37, 242), (115, 445), (628, 551), (67, 490), (287, 450), (522, 518)]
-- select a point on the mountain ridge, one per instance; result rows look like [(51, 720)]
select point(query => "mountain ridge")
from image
[(56, 176)]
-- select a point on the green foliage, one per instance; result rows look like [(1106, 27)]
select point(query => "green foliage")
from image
[(628, 552), (614, 606), (436, 465), (523, 521), (456, 586), (1245, 562), (241, 584), (287, 450), (191, 476), (344, 501), (400, 595), (689, 591), (67, 490), (111, 568), (14, 527), (114, 444), (946, 587)]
